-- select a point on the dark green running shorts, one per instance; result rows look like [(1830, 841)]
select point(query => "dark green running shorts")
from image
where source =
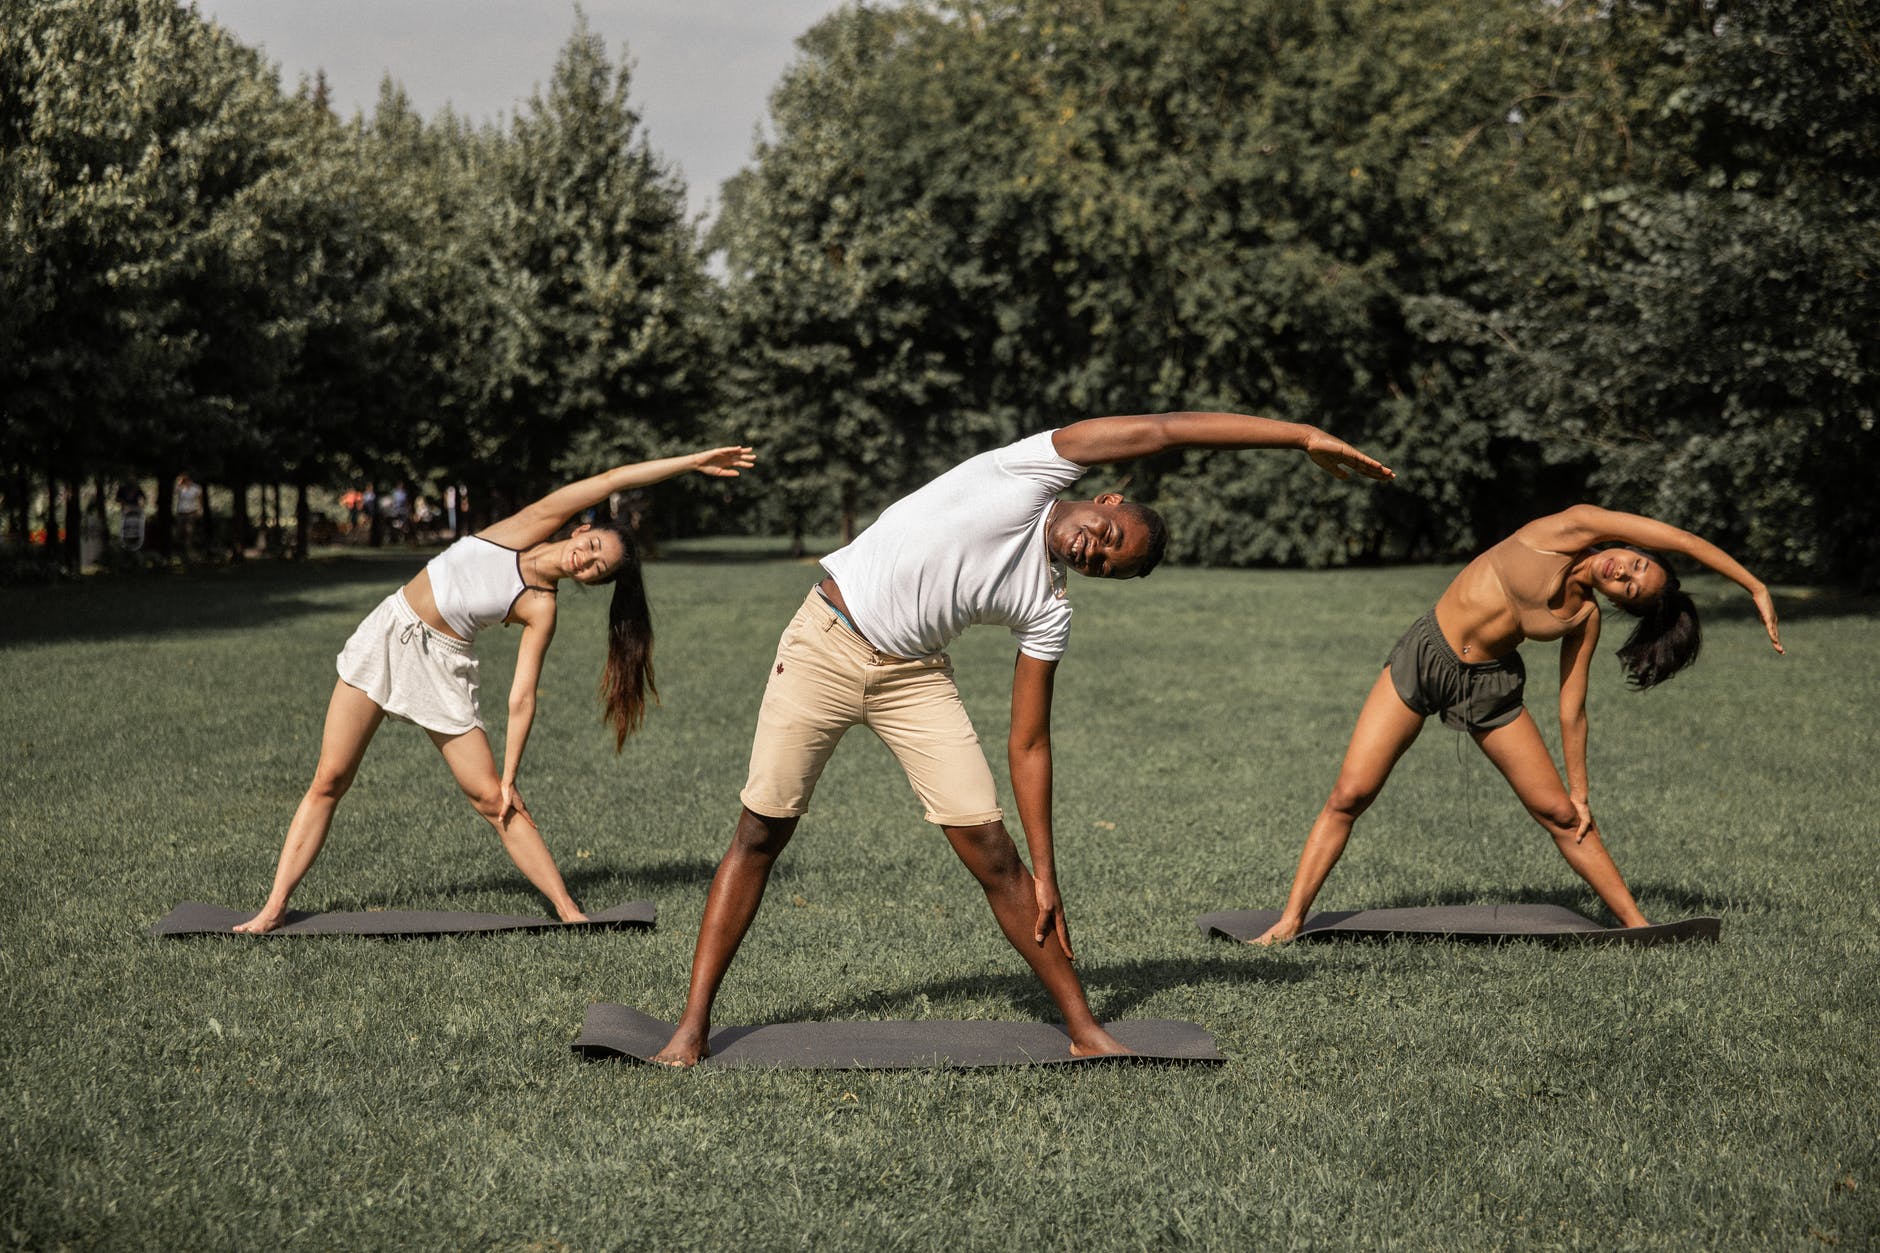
[(1471, 696)]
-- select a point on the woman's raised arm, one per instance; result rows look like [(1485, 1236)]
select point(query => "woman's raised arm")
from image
[(539, 521), (1585, 525)]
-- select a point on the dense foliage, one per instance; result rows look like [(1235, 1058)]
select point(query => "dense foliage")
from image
[(1526, 252)]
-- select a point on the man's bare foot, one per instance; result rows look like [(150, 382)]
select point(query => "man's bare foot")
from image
[(262, 923), (685, 1050), (1278, 933), (1096, 1042)]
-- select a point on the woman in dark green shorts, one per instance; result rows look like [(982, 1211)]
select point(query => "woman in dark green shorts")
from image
[(1459, 661)]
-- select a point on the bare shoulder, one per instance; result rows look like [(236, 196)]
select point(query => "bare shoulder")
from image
[(534, 609), (1571, 529)]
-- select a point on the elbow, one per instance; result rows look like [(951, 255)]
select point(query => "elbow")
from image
[(1027, 748)]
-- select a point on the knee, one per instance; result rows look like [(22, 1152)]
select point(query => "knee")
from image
[(988, 852), (761, 836), (1559, 818), (330, 784), (487, 800), (1348, 800)]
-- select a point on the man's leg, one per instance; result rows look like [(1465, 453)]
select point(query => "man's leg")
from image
[(989, 853), (812, 696), (737, 890)]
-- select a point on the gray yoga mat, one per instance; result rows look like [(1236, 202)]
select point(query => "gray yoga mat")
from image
[(195, 918), (617, 1031), (1549, 924)]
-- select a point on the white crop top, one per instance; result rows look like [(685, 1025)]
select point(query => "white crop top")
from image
[(475, 582)]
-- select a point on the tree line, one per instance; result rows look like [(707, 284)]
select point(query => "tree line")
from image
[(1526, 251)]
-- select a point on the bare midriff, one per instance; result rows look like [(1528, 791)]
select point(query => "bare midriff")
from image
[(424, 604)]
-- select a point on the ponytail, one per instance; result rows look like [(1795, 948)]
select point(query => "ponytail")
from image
[(1667, 638), (627, 677)]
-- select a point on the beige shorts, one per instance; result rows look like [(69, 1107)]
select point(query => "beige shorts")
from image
[(826, 679)]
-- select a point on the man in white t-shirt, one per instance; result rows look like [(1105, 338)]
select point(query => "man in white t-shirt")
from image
[(988, 542)]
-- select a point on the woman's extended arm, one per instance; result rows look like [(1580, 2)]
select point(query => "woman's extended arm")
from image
[(537, 522), (1583, 525), (1576, 662), (538, 631)]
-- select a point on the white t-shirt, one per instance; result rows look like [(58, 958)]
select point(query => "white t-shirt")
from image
[(968, 548)]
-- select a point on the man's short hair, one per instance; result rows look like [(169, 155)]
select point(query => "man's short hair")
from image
[(1152, 522)]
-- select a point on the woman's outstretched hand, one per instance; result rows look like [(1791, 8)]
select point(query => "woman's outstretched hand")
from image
[(1339, 459), (1766, 606), (724, 463)]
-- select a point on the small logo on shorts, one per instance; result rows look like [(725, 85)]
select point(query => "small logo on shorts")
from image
[(780, 667)]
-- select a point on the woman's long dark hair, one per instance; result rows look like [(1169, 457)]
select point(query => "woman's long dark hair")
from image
[(627, 677), (1667, 638)]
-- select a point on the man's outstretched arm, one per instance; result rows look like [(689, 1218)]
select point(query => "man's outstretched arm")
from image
[(1095, 441)]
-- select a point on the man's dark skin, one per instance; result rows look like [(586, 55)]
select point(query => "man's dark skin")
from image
[(1097, 538)]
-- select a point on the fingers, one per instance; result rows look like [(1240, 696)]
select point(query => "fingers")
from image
[(1064, 937)]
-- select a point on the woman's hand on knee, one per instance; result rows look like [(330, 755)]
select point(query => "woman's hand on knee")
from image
[(511, 804)]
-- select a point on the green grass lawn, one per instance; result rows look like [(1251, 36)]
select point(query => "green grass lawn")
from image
[(156, 732)]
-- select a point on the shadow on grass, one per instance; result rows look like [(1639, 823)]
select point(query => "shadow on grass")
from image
[(202, 600), (600, 880), (1114, 989), (1686, 901)]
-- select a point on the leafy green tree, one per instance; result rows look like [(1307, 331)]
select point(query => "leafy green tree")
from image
[(598, 274), (1712, 356)]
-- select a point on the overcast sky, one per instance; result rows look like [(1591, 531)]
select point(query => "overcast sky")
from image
[(702, 77)]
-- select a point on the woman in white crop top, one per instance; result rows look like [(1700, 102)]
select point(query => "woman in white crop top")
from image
[(412, 659)]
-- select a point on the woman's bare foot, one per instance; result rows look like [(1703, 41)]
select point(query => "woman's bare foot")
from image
[(686, 1049), (573, 913), (1278, 933), (262, 923), (1094, 1041)]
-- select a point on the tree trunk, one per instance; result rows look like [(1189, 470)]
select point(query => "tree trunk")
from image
[(303, 520), (71, 526), (22, 506), (238, 521)]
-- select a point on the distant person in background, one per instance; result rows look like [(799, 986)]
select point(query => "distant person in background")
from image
[(1459, 661), (369, 506), (130, 502), (188, 512), (412, 659)]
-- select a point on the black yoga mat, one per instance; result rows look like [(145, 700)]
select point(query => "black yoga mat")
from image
[(1549, 924), (616, 1031), (195, 918)]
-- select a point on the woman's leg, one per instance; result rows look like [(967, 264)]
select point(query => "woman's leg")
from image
[(1521, 756), (1386, 729), (351, 719), (471, 762)]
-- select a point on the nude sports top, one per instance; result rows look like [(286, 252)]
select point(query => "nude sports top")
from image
[(1529, 578), (476, 582)]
